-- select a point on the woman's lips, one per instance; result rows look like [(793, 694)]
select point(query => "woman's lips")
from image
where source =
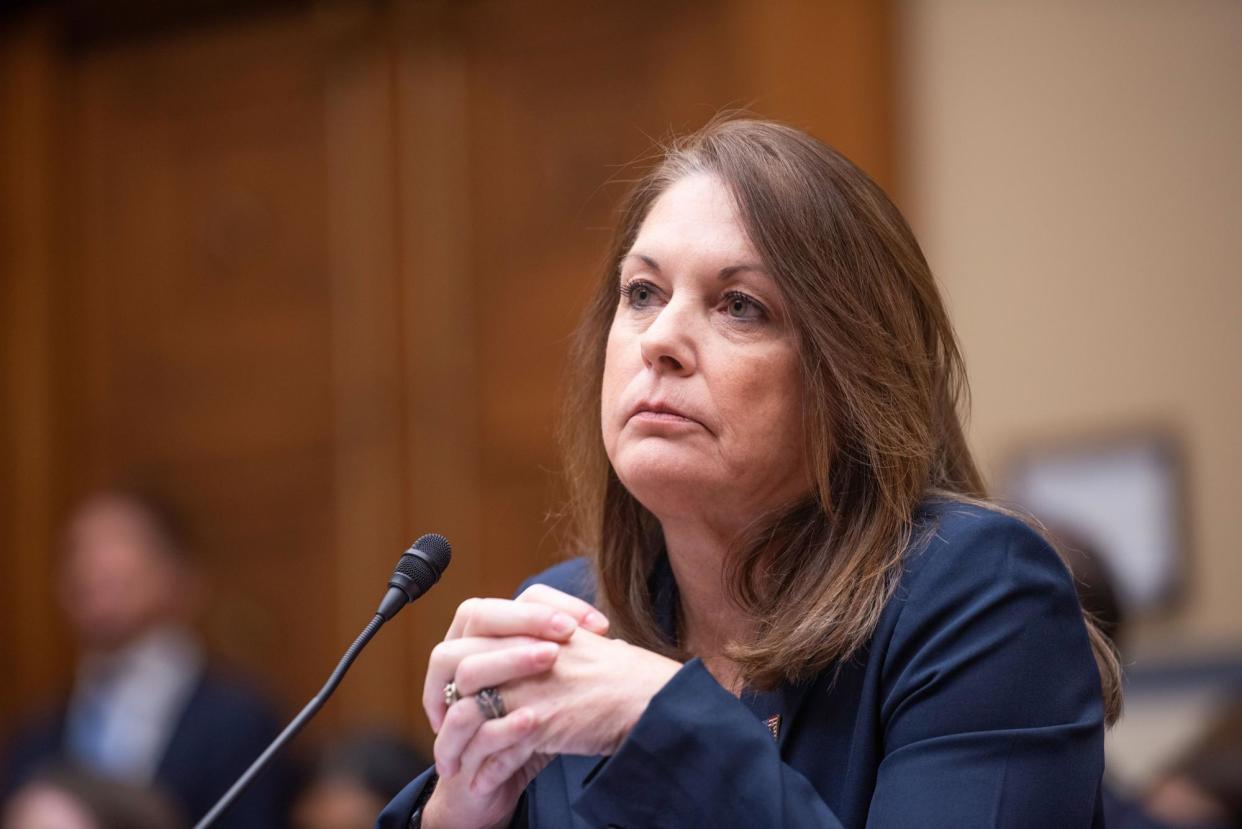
[(658, 414), (669, 417)]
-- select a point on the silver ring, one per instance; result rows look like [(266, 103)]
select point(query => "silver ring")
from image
[(450, 694), (490, 703)]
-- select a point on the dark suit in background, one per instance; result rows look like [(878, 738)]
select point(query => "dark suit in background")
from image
[(146, 708), (223, 727)]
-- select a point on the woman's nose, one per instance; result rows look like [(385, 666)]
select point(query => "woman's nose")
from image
[(668, 343)]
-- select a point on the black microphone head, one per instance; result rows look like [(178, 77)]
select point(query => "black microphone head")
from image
[(437, 550), (421, 565)]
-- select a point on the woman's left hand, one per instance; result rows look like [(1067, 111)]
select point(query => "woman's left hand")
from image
[(586, 703)]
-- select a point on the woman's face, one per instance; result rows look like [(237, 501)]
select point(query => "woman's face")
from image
[(702, 404)]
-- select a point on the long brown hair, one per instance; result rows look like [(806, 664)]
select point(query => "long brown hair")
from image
[(883, 380)]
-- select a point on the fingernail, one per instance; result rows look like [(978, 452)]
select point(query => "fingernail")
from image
[(563, 624), (546, 650), (596, 619)]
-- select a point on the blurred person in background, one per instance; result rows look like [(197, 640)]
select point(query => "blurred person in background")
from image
[(146, 707), (65, 798), (353, 779), (1095, 584), (1203, 790)]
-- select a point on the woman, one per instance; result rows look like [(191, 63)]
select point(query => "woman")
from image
[(794, 609)]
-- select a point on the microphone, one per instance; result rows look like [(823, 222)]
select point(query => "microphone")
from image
[(417, 570)]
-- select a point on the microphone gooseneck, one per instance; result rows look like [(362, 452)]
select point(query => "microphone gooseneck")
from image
[(417, 570)]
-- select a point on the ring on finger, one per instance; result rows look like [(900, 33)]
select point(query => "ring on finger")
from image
[(490, 703), (450, 694)]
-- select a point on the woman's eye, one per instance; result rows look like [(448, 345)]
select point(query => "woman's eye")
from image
[(638, 294), (739, 306)]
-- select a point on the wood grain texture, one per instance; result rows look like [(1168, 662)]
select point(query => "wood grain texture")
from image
[(32, 642), (201, 330), (317, 272)]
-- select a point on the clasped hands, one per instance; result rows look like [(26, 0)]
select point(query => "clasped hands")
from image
[(566, 687)]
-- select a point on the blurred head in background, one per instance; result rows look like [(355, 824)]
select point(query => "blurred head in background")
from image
[(354, 779), (148, 708), (126, 569), (64, 798), (1095, 582), (1204, 787)]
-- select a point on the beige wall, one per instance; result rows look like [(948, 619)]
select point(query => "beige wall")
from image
[(1074, 171)]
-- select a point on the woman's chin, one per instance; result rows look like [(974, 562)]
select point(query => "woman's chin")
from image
[(666, 483)]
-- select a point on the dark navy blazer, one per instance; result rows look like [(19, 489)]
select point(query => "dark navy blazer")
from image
[(976, 703), (224, 726)]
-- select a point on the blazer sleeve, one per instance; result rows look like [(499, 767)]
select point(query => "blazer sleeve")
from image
[(396, 814), (991, 713), (698, 757), (994, 714)]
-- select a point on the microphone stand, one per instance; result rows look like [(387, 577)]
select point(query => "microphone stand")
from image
[(291, 730), (417, 570)]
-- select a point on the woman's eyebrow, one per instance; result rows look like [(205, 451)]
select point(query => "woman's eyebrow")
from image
[(647, 260), (733, 270), (725, 273)]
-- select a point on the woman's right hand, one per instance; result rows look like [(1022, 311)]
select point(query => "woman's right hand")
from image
[(490, 642), (458, 802)]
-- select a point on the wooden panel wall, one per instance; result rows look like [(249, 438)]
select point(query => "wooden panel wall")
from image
[(31, 638), (198, 349), (314, 271)]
